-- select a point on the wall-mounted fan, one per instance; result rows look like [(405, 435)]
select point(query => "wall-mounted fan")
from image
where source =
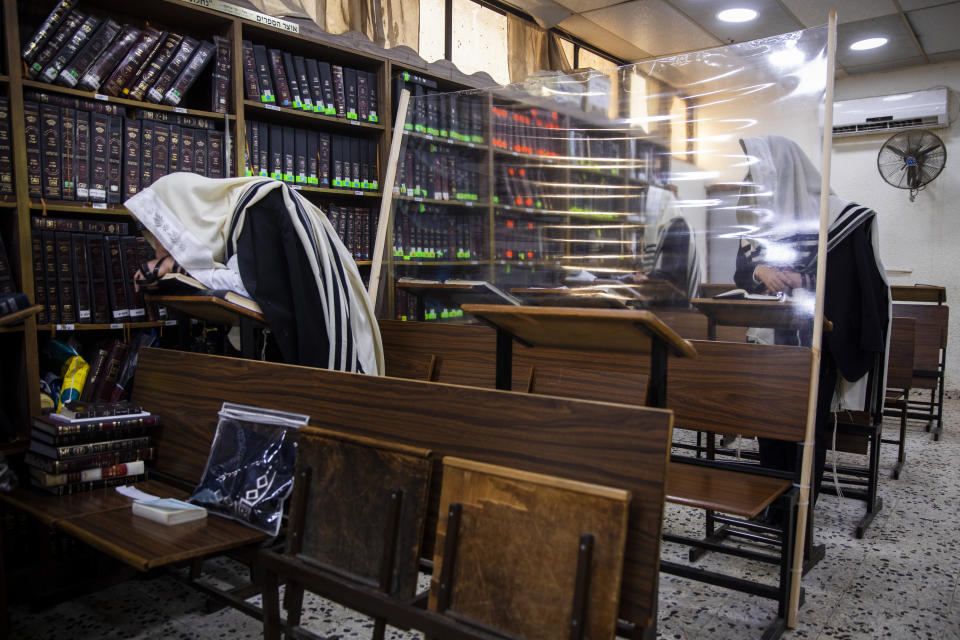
[(911, 160)]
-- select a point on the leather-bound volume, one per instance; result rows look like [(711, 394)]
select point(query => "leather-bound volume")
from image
[(155, 66), (68, 141), (116, 280), (150, 38), (374, 165), (201, 149), (354, 155), (293, 83), (174, 146), (97, 365), (276, 152), (33, 135), (94, 47), (172, 71), (220, 87), (94, 77), (111, 373), (82, 155), (363, 96), (253, 148), (80, 264), (264, 78), (251, 86), (67, 102), (99, 294), (39, 274), (264, 148), (69, 51), (144, 63), (300, 156), (6, 149), (303, 82), (131, 157), (313, 158), (289, 154), (186, 149), (146, 154), (65, 277), (161, 150), (216, 161), (130, 257), (196, 65), (323, 163), (59, 39), (279, 77), (364, 153), (115, 160), (314, 84), (50, 276), (52, 22), (99, 156), (326, 83), (373, 98), (337, 174), (50, 144), (339, 91)]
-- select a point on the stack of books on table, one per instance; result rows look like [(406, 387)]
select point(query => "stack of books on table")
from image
[(90, 446)]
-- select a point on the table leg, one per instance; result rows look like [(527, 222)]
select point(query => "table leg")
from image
[(657, 385), (504, 359), (248, 346)]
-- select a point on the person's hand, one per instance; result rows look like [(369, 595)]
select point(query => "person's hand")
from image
[(152, 270), (636, 277), (775, 280), (793, 278)]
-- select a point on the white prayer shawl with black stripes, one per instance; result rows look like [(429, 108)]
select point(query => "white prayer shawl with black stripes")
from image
[(199, 221)]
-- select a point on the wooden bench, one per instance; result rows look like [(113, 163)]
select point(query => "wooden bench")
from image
[(621, 446), (900, 381)]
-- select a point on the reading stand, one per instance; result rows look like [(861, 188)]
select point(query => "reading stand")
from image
[(453, 294), (218, 311), (770, 314), (620, 330), (918, 293), (578, 297)]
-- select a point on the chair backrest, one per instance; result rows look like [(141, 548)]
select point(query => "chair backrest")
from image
[(900, 357), (932, 328), (410, 365), (518, 548), (359, 507)]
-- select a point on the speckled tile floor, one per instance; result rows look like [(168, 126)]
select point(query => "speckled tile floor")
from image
[(900, 581)]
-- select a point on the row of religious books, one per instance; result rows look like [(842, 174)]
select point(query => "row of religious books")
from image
[(89, 446), (94, 151), (428, 232), (82, 50), (441, 173), (84, 269), (311, 158), (356, 226), (280, 79), (454, 116), (6, 149)]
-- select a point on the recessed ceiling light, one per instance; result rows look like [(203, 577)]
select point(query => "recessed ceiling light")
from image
[(868, 43), (737, 15)]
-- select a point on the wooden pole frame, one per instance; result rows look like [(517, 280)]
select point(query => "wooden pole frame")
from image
[(807, 460), (386, 201)]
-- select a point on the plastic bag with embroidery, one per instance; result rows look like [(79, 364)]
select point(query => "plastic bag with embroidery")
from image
[(249, 473)]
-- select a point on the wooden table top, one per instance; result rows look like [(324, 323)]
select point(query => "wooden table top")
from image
[(623, 330), (918, 293), (772, 314), (569, 297), (209, 308)]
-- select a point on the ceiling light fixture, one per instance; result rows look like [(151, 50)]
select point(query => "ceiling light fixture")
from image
[(868, 43), (737, 15)]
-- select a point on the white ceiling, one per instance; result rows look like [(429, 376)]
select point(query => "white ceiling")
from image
[(918, 31)]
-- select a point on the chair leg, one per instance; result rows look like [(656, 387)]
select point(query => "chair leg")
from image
[(294, 600), (902, 451), (271, 605)]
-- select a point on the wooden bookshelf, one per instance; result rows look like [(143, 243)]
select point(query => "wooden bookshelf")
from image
[(478, 146), (296, 118), (475, 204), (115, 326), (7, 204), (19, 316), (360, 193), (86, 208), (4, 79)]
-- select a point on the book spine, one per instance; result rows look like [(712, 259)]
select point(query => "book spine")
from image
[(131, 157), (51, 277), (65, 277), (251, 86), (81, 276), (39, 274), (279, 77), (161, 150), (46, 30), (293, 84), (117, 433), (264, 79), (111, 371), (354, 156), (189, 75), (131, 263), (289, 153), (221, 76), (82, 155), (80, 487), (95, 46), (326, 82), (215, 159), (303, 83), (200, 151), (115, 160), (276, 152), (139, 53), (94, 77), (155, 49), (51, 465), (90, 475), (6, 149), (323, 164), (33, 133), (100, 297), (373, 100), (174, 148), (69, 51), (264, 149), (99, 156), (363, 97), (172, 71), (155, 67), (337, 173), (60, 38), (116, 289), (314, 85), (252, 148), (300, 156), (96, 372), (50, 123), (146, 153), (186, 149), (94, 106), (339, 92), (313, 158)]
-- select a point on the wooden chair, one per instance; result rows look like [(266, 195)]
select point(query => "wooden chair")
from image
[(929, 361), (899, 381), (357, 511), (525, 555)]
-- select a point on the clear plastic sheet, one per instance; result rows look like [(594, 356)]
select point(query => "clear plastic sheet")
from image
[(249, 473), (656, 185)]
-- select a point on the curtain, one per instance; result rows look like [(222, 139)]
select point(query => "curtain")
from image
[(530, 49), (389, 23)]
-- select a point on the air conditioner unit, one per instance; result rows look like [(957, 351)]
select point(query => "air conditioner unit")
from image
[(914, 110)]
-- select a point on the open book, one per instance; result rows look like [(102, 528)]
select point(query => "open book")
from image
[(741, 294), (180, 284)]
